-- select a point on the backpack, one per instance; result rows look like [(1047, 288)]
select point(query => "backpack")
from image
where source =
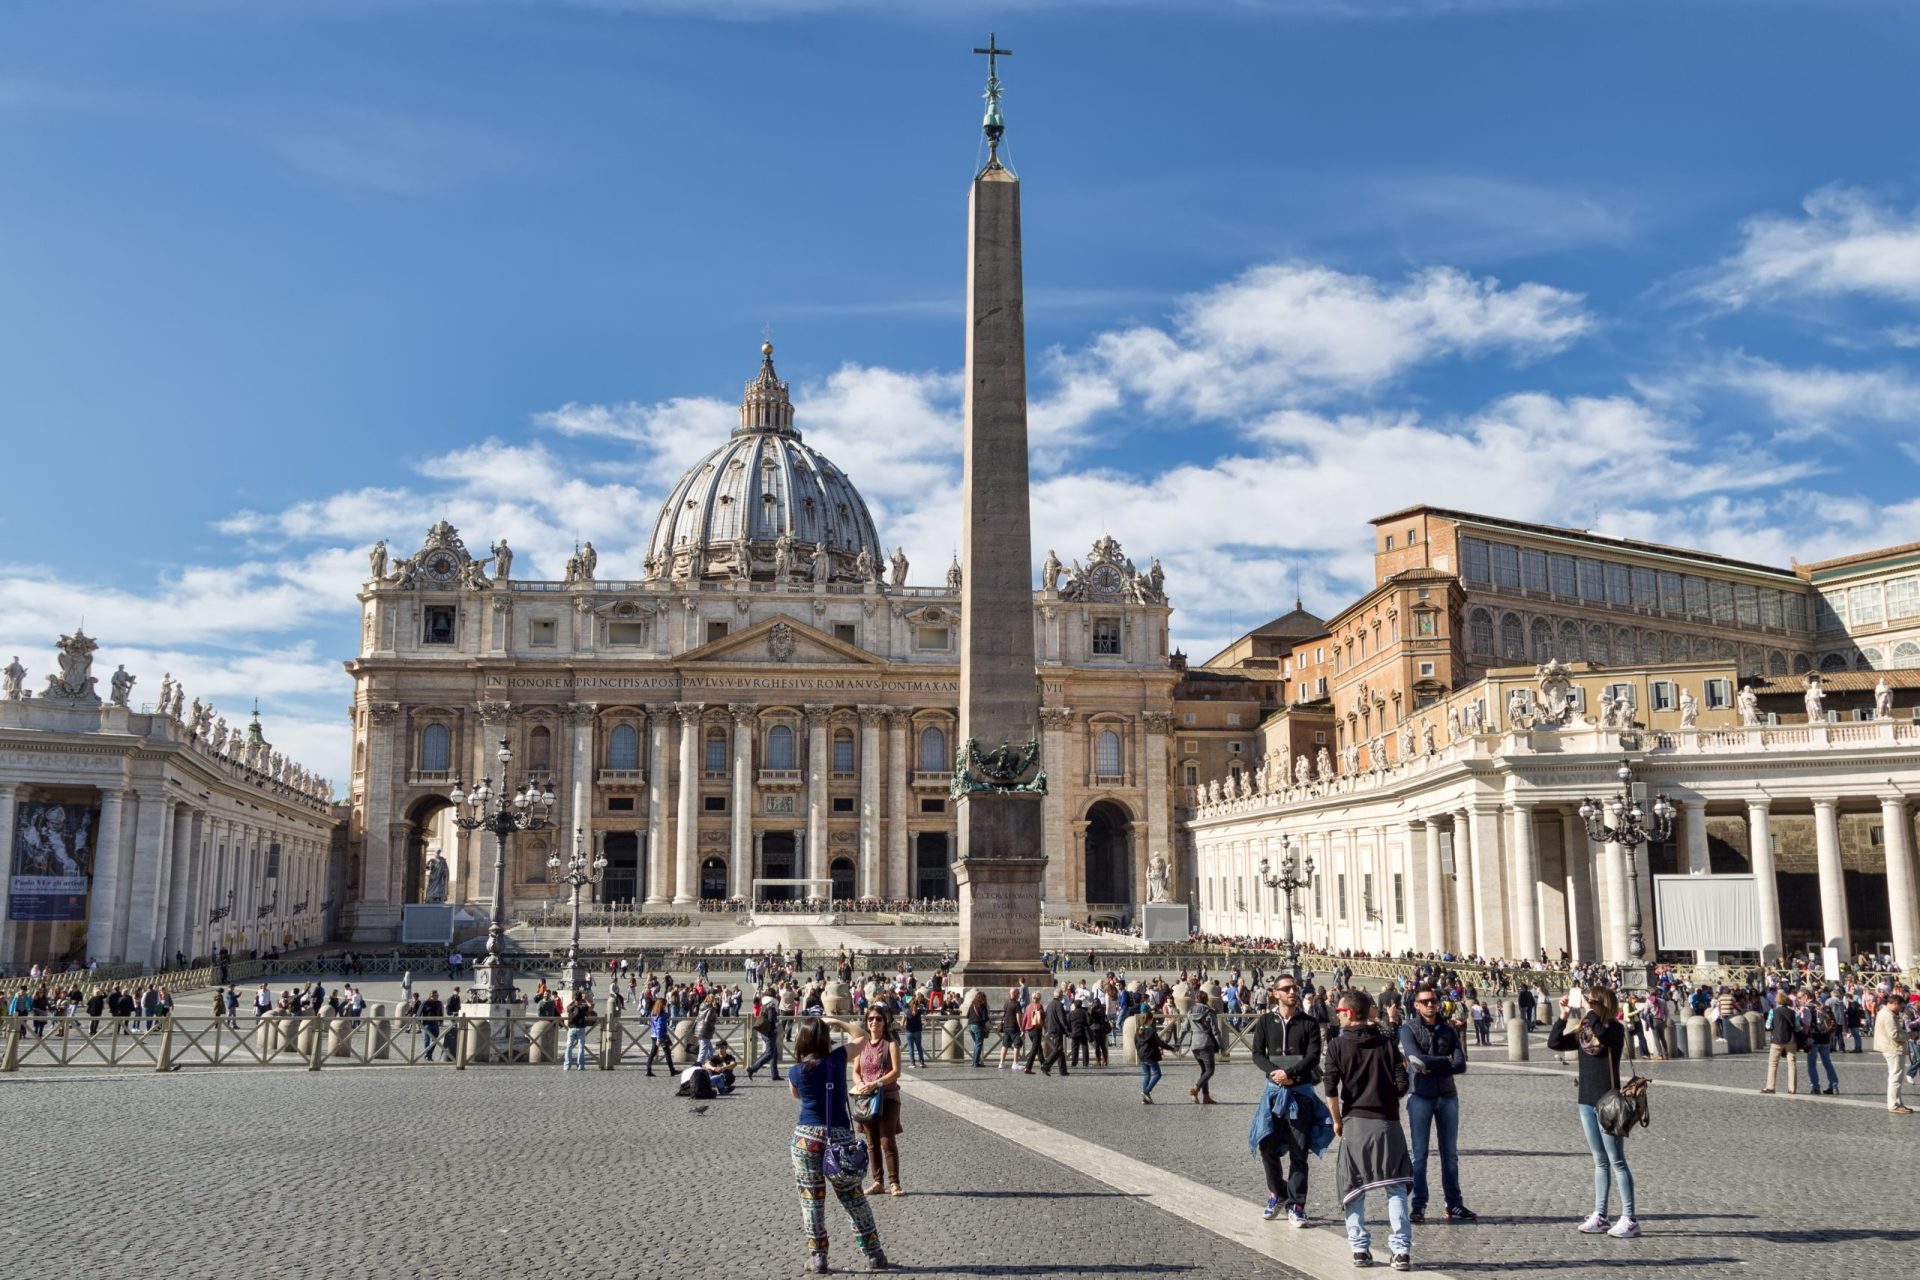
[(696, 1083)]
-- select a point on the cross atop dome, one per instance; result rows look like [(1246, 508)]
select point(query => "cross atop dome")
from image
[(765, 406)]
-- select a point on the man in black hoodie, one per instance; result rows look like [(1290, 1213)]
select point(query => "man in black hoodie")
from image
[(1365, 1078), (1055, 1050), (1286, 1047)]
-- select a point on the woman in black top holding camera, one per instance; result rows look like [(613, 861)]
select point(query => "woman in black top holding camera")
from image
[(1600, 1039)]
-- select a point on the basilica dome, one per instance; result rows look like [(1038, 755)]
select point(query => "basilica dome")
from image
[(764, 505)]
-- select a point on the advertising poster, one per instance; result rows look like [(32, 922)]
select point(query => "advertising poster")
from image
[(52, 860)]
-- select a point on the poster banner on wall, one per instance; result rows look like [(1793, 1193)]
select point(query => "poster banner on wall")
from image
[(52, 860)]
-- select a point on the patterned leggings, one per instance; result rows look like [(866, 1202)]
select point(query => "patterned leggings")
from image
[(809, 1175)]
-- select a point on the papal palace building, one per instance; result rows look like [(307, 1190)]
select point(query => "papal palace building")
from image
[(768, 698), (1407, 744)]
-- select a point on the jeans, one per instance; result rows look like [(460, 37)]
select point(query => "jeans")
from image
[(1817, 1054), (977, 1035), (1609, 1157), (1149, 1076), (1204, 1059), (1444, 1115), (916, 1052), (769, 1054), (576, 1040), (1289, 1140), (1399, 1222)]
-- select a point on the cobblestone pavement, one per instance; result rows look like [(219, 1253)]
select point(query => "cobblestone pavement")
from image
[(381, 1173), (342, 1175), (1726, 1179)]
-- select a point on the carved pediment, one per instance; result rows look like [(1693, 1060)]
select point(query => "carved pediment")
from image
[(783, 641)]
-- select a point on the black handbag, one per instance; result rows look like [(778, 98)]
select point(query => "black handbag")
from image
[(865, 1108), (1623, 1108)]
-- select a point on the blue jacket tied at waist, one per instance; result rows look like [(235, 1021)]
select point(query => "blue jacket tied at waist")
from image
[(1280, 1100)]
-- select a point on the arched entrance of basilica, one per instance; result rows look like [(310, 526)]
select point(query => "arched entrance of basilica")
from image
[(622, 882), (1109, 860), (843, 879), (779, 860)]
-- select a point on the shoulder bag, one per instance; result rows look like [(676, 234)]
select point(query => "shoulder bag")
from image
[(1623, 1108), (843, 1158)]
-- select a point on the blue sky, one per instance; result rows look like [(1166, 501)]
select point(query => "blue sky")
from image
[(277, 279)]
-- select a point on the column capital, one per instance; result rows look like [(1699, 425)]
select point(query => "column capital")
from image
[(817, 713), (689, 713), (1895, 801), (743, 713), (1157, 721), (1827, 804), (1056, 717), (872, 713)]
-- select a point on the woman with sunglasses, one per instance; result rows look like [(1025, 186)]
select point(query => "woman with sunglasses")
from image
[(877, 1071)]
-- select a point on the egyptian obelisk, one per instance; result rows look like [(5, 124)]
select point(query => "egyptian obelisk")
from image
[(998, 784)]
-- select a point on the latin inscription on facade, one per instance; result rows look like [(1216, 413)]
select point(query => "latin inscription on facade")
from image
[(851, 684)]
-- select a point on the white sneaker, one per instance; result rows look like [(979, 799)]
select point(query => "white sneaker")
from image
[(1625, 1229), (1595, 1224)]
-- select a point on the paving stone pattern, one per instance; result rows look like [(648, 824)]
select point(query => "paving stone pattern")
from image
[(387, 1173)]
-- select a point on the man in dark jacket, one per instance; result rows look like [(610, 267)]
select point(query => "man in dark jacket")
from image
[(766, 1025), (1010, 1027), (1434, 1057), (1077, 1032), (1364, 1079), (1286, 1047), (1054, 1047)]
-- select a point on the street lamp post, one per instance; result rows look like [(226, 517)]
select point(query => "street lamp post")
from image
[(1631, 827), (1294, 875), (218, 914), (579, 872), (526, 811)]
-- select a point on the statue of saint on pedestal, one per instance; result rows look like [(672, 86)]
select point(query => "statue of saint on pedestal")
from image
[(436, 879), (13, 679), (1816, 700), (1050, 572), (1159, 878), (899, 566), (1748, 703), (1689, 709), (502, 560), (1883, 700), (122, 685)]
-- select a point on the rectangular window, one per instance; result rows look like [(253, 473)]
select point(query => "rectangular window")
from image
[(1106, 637), (1593, 579), (626, 633), (1666, 695), (1771, 614), (713, 804), (438, 624), (1473, 560), (933, 806), (1319, 737), (1646, 594), (846, 633), (1367, 908), (1506, 565), (1719, 694), (1399, 898), (1426, 668), (716, 755), (1619, 585), (1188, 717), (1830, 610), (1673, 595), (1615, 692), (716, 631), (1190, 746), (1340, 894), (934, 639), (1864, 603), (1234, 747), (1563, 574), (1796, 611), (543, 631), (1720, 599), (1746, 604), (843, 804), (1533, 570), (843, 755), (1233, 718), (1193, 775), (1696, 595), (273, 861), (619, 804), (1389, 542), (1903, 598)]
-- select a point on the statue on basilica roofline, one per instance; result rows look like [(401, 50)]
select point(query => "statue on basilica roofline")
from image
[(1050, 572), (821, 570), (377, 561), (1748, 704), (122, 685), (1816, 699), (1453, 723), (502, 560), (1323, 764), (864, 568), (898, 564), (1406, 741), (1883, 700), (1427, 746), (783, 558), (13, 679), (1689, 710), (1302, 771), (75, 681)]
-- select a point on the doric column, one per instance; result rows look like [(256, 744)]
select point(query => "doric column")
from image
[(1433, 888), (1489, 885), (741, 802), (897, 800), (173, 929), (9, 797), (1526, 885), (1054, 722), (1463, 895), (109, 869), (686, 877), (871, 718), (378, 910), (1583, 929), (1834, 929), (1693, 812), (1159, 836), (817, 760), (1896, 839), (1766, 883), (659, 768), (137, 900)]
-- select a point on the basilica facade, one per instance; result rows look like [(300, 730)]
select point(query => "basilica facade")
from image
[(770, 699)]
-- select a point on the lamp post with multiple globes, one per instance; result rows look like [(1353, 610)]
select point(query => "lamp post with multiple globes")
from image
[(579, 872), (1294, 874), (1631, 826), (526, 810)]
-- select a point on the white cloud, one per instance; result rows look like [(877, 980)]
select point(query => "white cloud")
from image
[(1846, 242), (1805, 401), (1292, 333)]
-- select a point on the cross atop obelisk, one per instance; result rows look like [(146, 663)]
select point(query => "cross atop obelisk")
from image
[(998, 778), (993, 125)]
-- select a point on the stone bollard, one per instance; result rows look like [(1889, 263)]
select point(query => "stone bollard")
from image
[(955, 1049), (1756, 1031), (1129, 1052), (836, 1000), (314, 1044), (10, 1060), (1734, 1031), (164, 1061), (1182, 998), (1699, 1037), (683, 1041), (610, 1042), (1517, 1046), (379, 1034), (543, 1035), (1670, 1032), (304, 1031), (340, 1038)]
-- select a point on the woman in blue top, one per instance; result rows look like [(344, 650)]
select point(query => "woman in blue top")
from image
[(819, 1080)]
